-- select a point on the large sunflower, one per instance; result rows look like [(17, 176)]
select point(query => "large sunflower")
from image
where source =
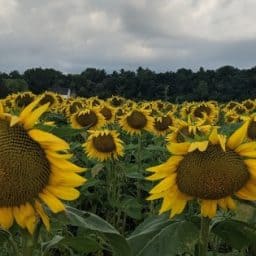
[(35, 169), (137, 120), (211, 171), (104, 145)]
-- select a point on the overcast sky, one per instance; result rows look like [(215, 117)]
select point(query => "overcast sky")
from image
[(71, 35)]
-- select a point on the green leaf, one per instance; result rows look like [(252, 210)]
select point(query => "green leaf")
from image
[(238, 234), (132, 207), (161, 236), (82, 244), (96, 224), (52, 243)]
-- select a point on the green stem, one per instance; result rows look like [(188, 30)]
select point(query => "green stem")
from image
[(31, 241), (204, 236), (139, 163), (14, 246)]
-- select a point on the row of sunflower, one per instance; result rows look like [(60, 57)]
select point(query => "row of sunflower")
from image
[(205, 150)]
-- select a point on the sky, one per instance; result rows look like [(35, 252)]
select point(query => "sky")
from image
[(162, 35)]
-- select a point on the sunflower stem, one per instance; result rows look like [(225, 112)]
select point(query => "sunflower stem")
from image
[(31, 241), (139, 163), (203, 236)]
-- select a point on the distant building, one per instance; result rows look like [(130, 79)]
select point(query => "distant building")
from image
[(65, 92)]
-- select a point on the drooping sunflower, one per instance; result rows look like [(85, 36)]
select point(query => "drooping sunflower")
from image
[(108, 112), (162, 124), (249, 105), (104, 145), (183, 130), (136, 121), (116, 101), (23, 99), (48, 97), (35, 170), (205, 110), (88, 118), (211, 171)]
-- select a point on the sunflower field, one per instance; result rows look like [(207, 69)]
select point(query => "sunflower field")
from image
[(93, 177)]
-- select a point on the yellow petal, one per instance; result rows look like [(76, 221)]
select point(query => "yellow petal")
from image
[(44, 217), (48, 140), (57, 155), (208, 208), (156, 196), (19, 216), (222, 141), (28, 109), (200, 145), (64, 193), (64, 165), (66, 179), (230, 203), (246, 147), (29, 122), (6, 217), (238, 136), (53, 203), (222, 203), (251, 165), (165, 184), (213, 138), (179, 204), (178, 148)]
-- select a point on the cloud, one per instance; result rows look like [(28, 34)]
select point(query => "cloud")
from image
[(162, 35)]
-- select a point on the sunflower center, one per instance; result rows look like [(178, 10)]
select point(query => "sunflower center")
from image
[(87, 119), (251, 131), (104, 143), (24, 168), (137, 120), (200, 110), (106, 112), (212, 174), (164, 124)]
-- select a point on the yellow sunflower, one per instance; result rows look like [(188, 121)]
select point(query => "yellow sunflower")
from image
[(137, 120), (183, 130), (35, 170), (104, 145), (162, 124), (88, 118), (211, 171), (23, 99), (48, 97), (108, 112)]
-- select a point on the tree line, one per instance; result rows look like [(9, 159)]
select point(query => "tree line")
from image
[(223, 84)]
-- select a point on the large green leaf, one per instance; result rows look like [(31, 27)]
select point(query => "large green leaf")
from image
[(160, 236), (94, 223), (238, 234)]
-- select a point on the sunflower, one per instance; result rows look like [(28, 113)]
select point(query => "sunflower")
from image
[(205, 110), (211, 171), (48, 97), (137, 120), (104, 145), (162, 123), (88, 118), (108, 112), (249, 105), (23, 99), (35, 170), (116, 101), (73, 107), (182, 130)]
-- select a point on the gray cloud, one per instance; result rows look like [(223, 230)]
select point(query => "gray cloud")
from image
[(162, 35)]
